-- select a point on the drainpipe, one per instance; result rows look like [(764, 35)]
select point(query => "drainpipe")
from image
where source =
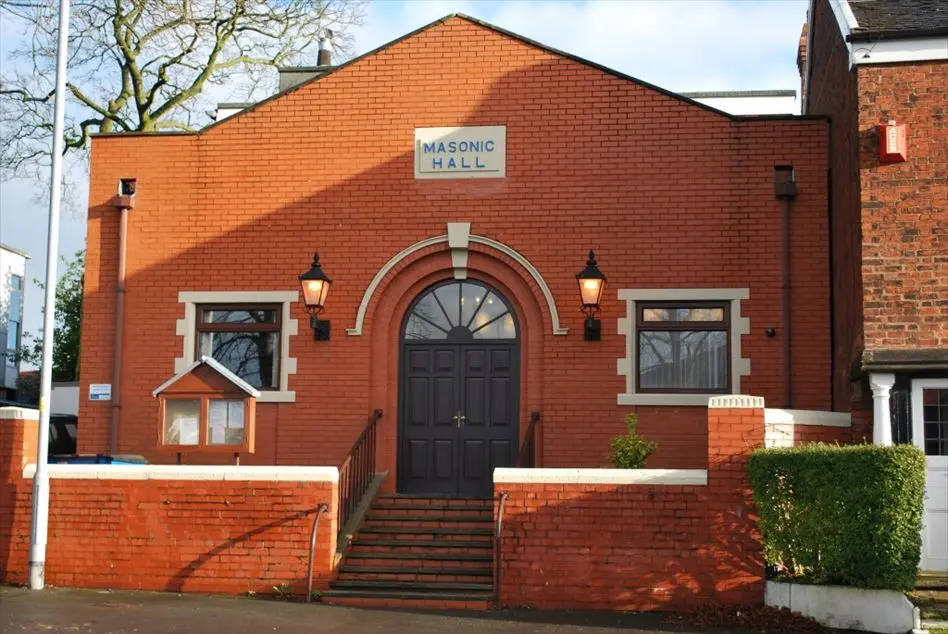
[(785, 188), (123, 202)]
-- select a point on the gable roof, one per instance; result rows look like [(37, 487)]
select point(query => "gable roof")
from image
[(886, 19), (217, 367), (520, 38)]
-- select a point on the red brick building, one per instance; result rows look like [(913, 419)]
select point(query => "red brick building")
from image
[(678, 201), (879, 70), (453, 182)]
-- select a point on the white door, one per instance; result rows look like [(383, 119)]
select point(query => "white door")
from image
[(930, 434)]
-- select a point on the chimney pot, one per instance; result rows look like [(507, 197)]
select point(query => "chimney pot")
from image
[(325, 50)]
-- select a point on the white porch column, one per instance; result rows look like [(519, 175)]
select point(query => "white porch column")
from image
[(881, 384)]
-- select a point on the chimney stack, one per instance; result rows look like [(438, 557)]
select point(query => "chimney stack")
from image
[(325, 50), (801, 59)]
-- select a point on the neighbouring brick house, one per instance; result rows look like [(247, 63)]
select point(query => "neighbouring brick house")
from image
[(873, 66), (453, 183)]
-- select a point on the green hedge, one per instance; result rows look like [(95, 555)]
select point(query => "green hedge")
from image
[(841, 515)]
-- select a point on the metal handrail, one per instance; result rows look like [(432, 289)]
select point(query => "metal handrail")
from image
[(357, 470), (527, 457), (312, 549), (498, 542)]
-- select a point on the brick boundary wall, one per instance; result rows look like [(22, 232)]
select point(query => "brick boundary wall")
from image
[(189, 529), (638, 540)]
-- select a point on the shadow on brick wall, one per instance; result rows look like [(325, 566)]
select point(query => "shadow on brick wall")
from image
[(243, 205), (632, 547)]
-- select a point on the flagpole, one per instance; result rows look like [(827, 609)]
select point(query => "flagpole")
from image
[(41, 479)]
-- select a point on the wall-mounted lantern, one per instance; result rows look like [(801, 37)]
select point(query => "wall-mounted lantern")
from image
[(316, 285), (591, 282)]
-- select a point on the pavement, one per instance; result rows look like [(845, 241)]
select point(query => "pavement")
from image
[(108, 612)]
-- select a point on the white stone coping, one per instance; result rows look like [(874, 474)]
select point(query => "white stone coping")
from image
[(20, 413), (736, 401), (809, 417), (186, 472), (694, 477), (863, 609)]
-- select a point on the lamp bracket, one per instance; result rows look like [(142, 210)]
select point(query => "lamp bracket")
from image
[(592, 329), (320, 328)]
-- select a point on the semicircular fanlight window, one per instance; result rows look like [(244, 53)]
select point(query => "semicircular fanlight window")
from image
[(460, 311)]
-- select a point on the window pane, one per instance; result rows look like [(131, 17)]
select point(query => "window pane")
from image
[(491, 307), (253, 356), (471, 297), (418, 328), (225, 422), (935, 421), (181, 421), (683, 314), (13, 305), (13, 335), (686, 359), (429, 309), (450, 298), (254, 316), (503, 328)]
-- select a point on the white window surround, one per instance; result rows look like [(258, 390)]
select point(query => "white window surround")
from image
[(627, 366), (186, 472), (289, 327)]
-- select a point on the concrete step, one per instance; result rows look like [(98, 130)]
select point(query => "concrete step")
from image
[(426, 559), (410, 600), (408, 586), (402, 574), (420, 546), (425, 530)]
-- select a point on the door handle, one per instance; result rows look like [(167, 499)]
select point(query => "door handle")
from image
[(459, 419)]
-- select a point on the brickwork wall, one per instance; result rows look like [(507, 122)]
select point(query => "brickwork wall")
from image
[(831, 90), (670, 195), (171, 535), (905, 207), (640, 547)]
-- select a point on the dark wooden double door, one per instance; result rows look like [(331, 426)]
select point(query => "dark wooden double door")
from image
[(458, 416)]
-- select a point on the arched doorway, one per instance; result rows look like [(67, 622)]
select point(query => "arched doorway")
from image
[(459, 389)]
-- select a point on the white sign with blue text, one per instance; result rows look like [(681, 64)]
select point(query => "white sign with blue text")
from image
[(100, 392), (469, 152)]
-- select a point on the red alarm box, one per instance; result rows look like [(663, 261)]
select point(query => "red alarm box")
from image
[(892, 145)]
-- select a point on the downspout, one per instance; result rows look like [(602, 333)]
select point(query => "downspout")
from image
[(123, 202), (785, 188)]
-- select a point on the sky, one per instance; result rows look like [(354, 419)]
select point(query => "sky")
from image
[(681, 45)]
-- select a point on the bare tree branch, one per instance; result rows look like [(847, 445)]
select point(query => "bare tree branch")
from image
[(149, 65)]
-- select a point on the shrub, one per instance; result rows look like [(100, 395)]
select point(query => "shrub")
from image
[(841, 515), (631, 451)]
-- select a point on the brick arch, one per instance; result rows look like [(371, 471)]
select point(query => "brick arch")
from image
[(469, 242), (387, 315)]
